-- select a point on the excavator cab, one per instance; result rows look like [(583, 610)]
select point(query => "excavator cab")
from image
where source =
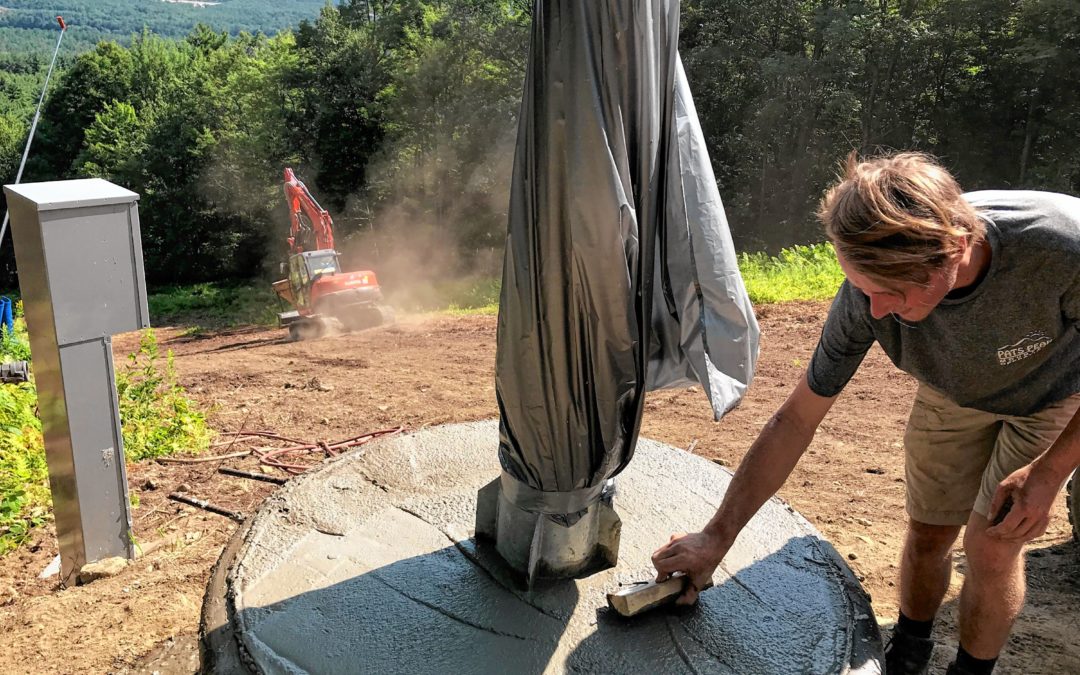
[(327, 299), (307, 267)]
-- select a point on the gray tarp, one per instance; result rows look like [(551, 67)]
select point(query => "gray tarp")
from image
[(620, 275)]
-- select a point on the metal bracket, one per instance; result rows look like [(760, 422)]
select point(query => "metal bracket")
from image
[(543, 546)]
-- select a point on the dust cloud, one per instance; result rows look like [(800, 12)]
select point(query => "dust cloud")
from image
[(435, 238)]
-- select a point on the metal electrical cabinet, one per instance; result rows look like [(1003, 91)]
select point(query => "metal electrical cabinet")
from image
[(79, 256)]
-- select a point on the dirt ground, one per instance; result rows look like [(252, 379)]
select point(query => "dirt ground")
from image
[(434, 370)]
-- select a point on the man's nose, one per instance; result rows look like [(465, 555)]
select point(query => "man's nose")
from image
[(881, 306)]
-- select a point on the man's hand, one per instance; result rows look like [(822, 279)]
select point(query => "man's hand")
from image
[(696, 555), (762, 471), (1031, 491)]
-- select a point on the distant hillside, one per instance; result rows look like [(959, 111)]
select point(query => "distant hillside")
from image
[(28, 26)]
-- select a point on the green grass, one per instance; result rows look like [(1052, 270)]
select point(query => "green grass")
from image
[(797, 273), (471, 295), (476, 296), (484, 310), (157, 419), (202, 308), (210, 305)]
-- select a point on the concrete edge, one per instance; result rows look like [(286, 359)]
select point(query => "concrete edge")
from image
[(219, 649), (866, 651)]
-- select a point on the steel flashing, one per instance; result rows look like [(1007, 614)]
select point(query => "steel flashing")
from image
[(70, 194)]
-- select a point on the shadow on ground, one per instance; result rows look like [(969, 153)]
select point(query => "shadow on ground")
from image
[(455, 610)]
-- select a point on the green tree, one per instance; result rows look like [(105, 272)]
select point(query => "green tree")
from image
[(113, 143), (11, 136), (97, 78), (787, 88), (343, 65), (400, 114), (451, 110)]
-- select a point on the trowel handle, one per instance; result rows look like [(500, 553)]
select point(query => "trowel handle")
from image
[(642, 597)]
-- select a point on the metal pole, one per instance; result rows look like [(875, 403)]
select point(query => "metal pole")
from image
[(33, 126)]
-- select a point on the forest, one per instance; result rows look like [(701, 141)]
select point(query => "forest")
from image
[(30, 25), (400, 115)]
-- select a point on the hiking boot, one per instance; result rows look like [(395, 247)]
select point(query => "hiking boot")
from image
[(957, 670), (907, 654)]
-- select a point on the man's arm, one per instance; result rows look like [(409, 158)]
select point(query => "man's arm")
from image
[(762, 471), (1033, 488)]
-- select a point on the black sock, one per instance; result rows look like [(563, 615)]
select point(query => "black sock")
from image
[(915, 628), (969, 664)]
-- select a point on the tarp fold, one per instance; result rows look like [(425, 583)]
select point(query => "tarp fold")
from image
[(619, 273)]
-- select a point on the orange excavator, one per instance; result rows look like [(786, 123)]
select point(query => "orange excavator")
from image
[(324, 299)]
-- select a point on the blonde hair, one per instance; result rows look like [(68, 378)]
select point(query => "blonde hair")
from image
[(897, 218)]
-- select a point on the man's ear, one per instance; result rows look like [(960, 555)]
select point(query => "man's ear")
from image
[(965, 244)]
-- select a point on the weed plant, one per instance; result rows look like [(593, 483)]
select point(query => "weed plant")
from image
[(14, 345), (797, 273), (158, 419), (24, 489)]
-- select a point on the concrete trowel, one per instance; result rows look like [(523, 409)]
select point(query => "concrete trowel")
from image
[(645, 596)]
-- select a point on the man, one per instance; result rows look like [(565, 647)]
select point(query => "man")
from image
[(978, 297)]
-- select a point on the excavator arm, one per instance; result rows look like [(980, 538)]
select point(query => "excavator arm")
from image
[(323, 297), (310, 225)]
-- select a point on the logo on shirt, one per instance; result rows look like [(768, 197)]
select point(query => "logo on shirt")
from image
[(1032, 343)]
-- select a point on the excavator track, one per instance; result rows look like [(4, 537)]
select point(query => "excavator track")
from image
[(354, 310), (315, 327)]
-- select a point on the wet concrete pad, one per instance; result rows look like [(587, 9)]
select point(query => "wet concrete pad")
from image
[(367, 565)]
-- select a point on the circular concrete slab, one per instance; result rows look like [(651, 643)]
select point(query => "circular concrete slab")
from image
[(367, 565)]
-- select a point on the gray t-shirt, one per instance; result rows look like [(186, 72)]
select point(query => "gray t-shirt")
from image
[(1011, 345)]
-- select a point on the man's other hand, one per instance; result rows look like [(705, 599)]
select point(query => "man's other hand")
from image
[(696, 555), (1030, 491)]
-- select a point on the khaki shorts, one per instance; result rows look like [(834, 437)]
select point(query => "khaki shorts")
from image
[(955, 457)]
